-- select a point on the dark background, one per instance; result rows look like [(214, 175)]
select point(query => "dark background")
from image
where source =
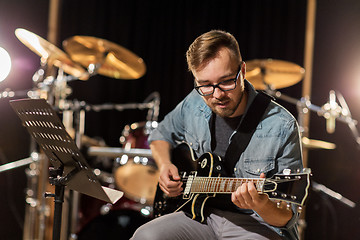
[(160, 32)]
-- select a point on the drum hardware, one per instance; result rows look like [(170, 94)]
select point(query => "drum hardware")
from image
[(104, 57), (23, 162), (124, 159), (153, 113), (75, 105), (8, 93), (116, 152)]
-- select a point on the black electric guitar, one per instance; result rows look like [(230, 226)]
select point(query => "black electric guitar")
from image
[(201, 181)]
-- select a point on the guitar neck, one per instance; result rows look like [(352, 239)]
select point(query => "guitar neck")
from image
[(220, 185)]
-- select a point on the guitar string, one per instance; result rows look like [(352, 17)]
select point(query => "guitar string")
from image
[(212, 184), (207, 179)]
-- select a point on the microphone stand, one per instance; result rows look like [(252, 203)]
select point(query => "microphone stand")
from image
[(304, 105), (341, 114), (337, 196)]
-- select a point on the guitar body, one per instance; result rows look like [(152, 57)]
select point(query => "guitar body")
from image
[(184, 158)]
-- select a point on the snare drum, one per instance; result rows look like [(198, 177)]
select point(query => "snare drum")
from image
[(138, 175)]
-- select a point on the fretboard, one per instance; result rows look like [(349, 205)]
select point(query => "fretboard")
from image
[(220, 185)]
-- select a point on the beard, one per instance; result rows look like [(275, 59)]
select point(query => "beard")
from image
[(224, 107)]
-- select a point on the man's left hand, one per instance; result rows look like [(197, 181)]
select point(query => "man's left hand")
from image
[(247, 197)]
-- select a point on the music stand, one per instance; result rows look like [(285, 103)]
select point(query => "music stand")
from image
[(70, 167)]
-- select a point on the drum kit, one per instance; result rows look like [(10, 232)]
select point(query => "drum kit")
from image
[(133, 170)]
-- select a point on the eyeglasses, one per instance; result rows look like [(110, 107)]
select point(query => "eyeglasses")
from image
[(224, 86)]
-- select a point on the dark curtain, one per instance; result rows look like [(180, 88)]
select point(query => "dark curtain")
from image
[(161, 31)]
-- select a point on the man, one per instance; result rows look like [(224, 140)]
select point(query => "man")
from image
[(207, 119)]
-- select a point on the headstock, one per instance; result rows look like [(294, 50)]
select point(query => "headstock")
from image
[(289, 187)]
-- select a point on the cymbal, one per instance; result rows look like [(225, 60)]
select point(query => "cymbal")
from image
[(109, 58), (317, 144), (50, 53), (264, 73)]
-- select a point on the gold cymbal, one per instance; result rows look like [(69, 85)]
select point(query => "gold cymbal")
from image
[(50, 53), (317, 144), (108, 58), (273, 73)]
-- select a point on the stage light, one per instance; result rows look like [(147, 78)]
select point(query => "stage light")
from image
[(5, 64)]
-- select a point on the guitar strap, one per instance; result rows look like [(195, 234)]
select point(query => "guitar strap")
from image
[(245, 131)]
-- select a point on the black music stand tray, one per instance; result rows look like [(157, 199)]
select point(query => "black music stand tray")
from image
[(70, 167)]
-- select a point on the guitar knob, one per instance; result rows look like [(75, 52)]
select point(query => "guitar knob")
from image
[(286, 171), (299, 209)]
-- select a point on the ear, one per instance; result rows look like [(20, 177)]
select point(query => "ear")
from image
[(243, 69)]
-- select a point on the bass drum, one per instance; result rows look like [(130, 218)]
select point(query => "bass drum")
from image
[(137, 176), (101, 220)]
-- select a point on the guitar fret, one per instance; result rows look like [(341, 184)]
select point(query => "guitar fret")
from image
[(211, 183), (222, 186), (208, 186)]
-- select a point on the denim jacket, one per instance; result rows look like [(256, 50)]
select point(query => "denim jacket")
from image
[(274, 146)]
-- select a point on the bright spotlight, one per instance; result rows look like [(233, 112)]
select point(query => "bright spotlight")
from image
[(5, 64)]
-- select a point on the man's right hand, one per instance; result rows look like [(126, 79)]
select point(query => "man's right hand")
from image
[(169, 180)]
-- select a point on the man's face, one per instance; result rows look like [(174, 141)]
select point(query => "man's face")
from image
[(221, 68)]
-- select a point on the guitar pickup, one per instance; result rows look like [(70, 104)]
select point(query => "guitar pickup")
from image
[(188, 181)]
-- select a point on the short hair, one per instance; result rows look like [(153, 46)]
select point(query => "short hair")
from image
[(206, 47)]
